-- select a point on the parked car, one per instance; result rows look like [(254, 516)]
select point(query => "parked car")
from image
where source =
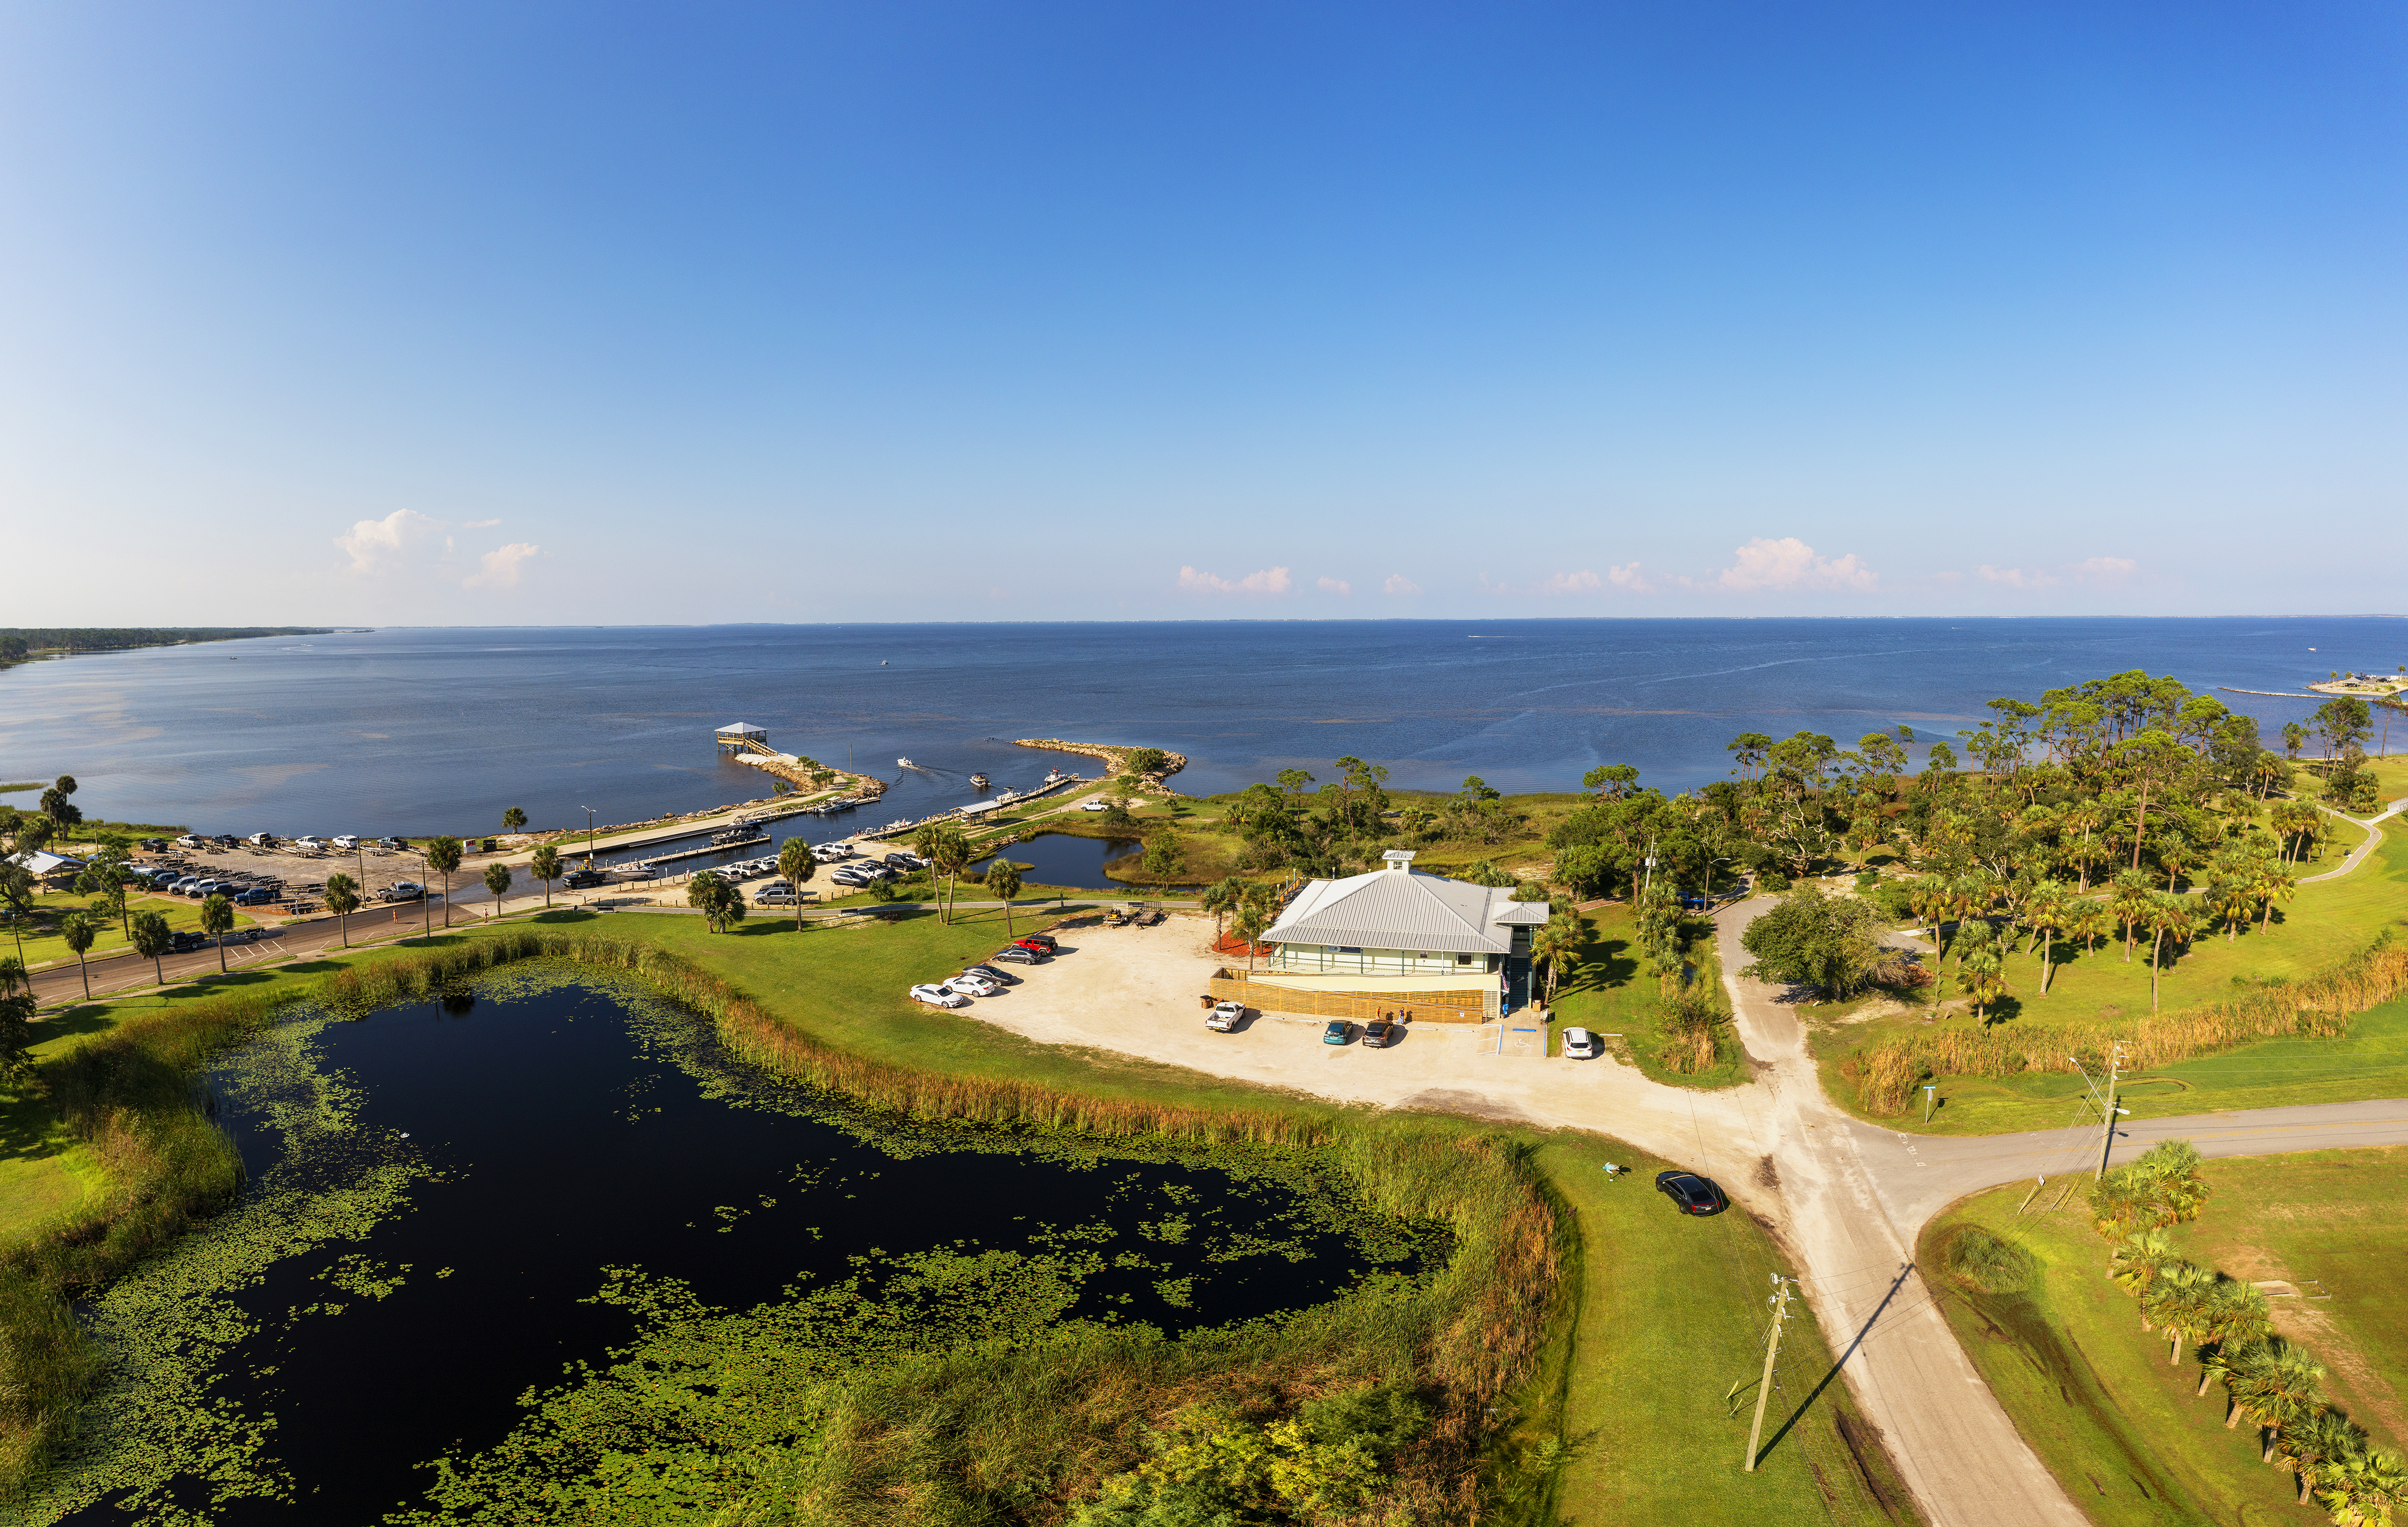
[(1339, 1032), (1379, 1035), (1096, 806), (776, 893), (1580, 1045), (402, 890), (308, 844), (1225, 1016), (1693, 1193), (261, 839), (937, 997), (1003, 977), (153, 846), (227, 840), (240, 935), (905, 861), (192, 840), (975, 986), (183, 941), (576, 880), (1015, 955), (849, 877), (258, 896), (396, 842), (1045, 941), (345, 842)]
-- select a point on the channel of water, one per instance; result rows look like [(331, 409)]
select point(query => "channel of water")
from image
[(439, 1191)]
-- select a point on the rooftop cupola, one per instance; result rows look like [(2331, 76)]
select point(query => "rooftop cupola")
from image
[(1399, 859)]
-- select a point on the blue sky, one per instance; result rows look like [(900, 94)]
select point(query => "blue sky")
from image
[(445, 312)]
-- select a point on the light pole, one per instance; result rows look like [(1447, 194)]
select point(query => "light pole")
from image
[(589, 835), (427, 898)]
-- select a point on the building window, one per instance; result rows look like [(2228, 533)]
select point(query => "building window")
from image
[(1463, 959)]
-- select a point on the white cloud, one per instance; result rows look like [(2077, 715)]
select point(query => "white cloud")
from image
[(2015, 577), (372, 544), (478, 524), (1629, 576), (2104, 569), (1335, 585), (1269, 581), (1790, 563), (1570, 582), (500, 565), (1398, 583)]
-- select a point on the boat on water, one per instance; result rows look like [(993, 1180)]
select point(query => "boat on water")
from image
[(981, 781), (1057, 777), (734, 836), (905, 763)]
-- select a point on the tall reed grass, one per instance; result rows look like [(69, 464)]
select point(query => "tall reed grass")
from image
[(128, 1095), (2319, 1007)]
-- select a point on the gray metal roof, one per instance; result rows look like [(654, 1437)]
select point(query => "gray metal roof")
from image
[(1394, 909)]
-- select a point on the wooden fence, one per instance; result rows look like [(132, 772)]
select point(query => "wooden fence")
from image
[(1472, 1006)]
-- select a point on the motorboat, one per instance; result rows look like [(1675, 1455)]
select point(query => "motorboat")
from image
[(981, 781), (734, 836), (905, 763), (1057, 777)]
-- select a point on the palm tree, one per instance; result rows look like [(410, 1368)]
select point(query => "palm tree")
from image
[(342, 899), (2272, 883), (78, 931), (151, 937), (1257, 911), (2135, 1266), (2178, 1299), (1219, 898), (513, 820), (443, 857), (216, 920), (2361, 1490), (2317, 1444), (1558, 944), (795, 866), (2236, 1319), (708, 894), (953, 854), (2176, 1175), (2165, 914), (1003, 883), (2086, 816), (2275, 1385), (497, 881), (2175, 856), (1931, 901), (2089, 921), (545, 866), (2049, 915), (2130, 904), (1984, 984)]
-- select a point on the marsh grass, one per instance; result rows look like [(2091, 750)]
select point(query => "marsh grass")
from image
[(1464, 1334)]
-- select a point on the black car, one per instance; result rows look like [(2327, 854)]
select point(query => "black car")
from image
[(183, 941), (154, 845), (257, 897), (1379, 1035), (1693, 1193), (994, 975), (1015, 955), (576, 880)]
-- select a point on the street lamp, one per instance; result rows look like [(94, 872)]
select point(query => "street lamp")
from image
[(589, 835)]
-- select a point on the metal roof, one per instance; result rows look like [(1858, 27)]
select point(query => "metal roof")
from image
[(1395, 909)]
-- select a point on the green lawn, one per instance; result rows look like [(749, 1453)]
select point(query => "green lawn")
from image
[(1610, 994), (2121, 1427), (44, 946), (1664, 1353)]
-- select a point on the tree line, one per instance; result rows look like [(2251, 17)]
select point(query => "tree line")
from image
[(21, 643)]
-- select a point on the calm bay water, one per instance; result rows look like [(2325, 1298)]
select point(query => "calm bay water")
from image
[(418, 731)]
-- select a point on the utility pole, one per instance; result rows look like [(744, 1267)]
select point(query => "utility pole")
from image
[(2107, 1137), (1780, 1303), (589, 835)]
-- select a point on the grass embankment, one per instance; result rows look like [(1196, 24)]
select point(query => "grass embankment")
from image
[(827, 1005), (2300, 1013), (1611, 993), (2127, 1432)]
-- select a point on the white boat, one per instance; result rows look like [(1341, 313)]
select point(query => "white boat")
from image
[(981, 781), (905, 763)]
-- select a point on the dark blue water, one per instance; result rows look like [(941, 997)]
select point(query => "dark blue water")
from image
[(419, 731), (562, 1135)]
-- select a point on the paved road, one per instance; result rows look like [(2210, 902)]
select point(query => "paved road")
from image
[(2374, 835)]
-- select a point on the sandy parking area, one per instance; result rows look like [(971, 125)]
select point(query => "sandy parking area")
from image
[(1135, 989)]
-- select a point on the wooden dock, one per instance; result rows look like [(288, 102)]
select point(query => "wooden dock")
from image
[(706, 853)]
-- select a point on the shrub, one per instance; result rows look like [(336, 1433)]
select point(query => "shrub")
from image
[(1980, 1261)]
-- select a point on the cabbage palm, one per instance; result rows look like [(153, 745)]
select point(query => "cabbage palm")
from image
[(216, 920), (2165, 914), (2362, 1489), (2319, 1444), (795, 866), (78, 932), (545, 866), (2178, 1299), (1558, 944), (1003, 883), (342, 899), (2135, 1266), (2272, 883), (443, 858), (2275, 1385), (1219, 898), (2049, 915), (2128, 902)]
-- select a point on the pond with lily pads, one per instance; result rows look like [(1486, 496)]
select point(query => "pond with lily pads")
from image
[(478, 1230)]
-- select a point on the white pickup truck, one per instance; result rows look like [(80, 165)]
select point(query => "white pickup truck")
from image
[(1225, 1016)]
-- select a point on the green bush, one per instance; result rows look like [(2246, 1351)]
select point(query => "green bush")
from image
[(1979, 1259)]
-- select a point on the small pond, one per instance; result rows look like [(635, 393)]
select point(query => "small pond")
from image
[(453, 1202), (1062, 859)]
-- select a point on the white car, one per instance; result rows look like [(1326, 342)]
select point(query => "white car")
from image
[(975, 986), (779, 892), (1225, 1016), (312, 845), (1096, 806), (1580, 1045), (346, 843), (937, 997)]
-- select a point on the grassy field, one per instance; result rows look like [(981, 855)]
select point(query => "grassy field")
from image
[(44, 946), (2121, 1427), (2320, 928), (1610, 994), (1658, 1368)]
